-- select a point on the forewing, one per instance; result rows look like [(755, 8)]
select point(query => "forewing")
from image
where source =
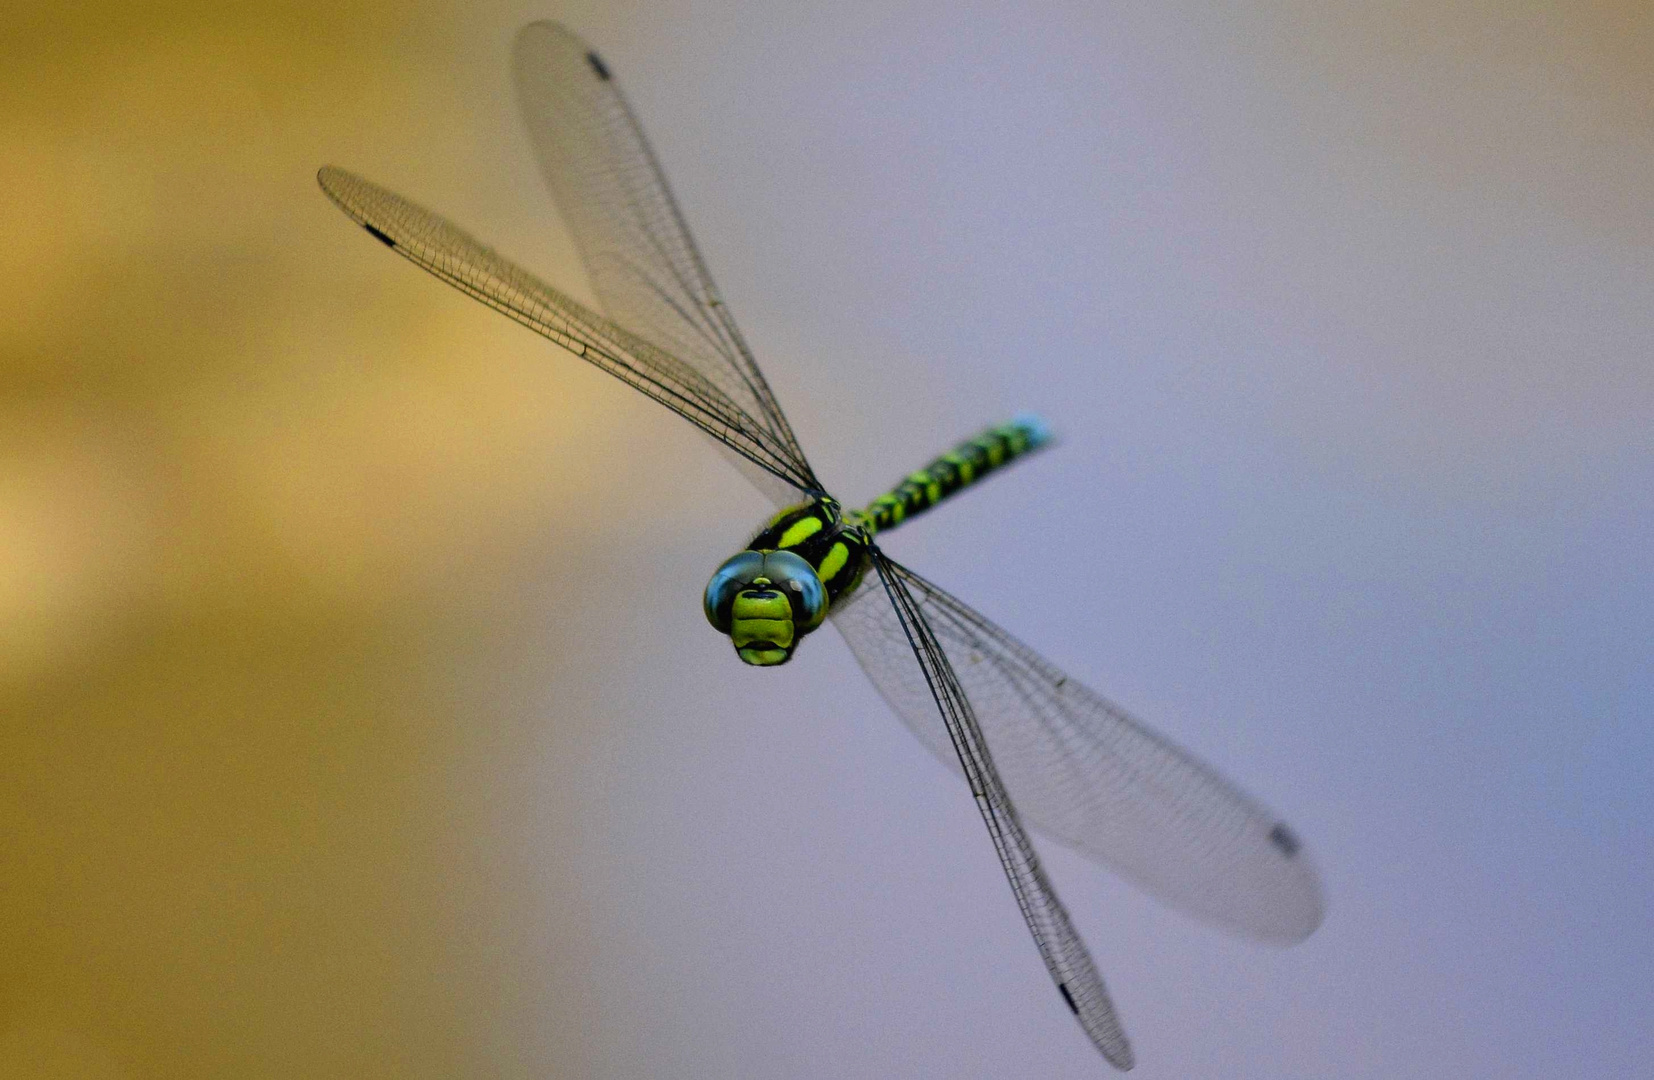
[(459, 259), (1085, 773), (644, 265), (1059, 945)]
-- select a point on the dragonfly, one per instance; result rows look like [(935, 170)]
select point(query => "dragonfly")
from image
[(1036, 748)]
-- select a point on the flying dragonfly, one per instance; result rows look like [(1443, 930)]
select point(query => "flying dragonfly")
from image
[(1034, 746)]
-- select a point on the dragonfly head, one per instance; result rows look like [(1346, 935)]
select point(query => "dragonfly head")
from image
[(765, 601)]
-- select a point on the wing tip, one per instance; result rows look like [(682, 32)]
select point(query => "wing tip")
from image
[(1285, 840), (1104, 1032), (328, 176), (1293, 921), (334, 181), (553, 31), (1303, 915)]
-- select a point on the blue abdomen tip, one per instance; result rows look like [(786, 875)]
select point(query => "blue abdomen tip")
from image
[(1039, 432)]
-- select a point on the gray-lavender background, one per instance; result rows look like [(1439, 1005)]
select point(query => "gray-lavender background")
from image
[(360, 716)]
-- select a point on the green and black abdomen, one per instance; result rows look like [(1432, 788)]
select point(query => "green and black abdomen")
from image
[(959, 468), (836, 546)]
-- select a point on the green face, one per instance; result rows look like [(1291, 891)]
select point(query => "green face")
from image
[(765, 601), (761, 625)]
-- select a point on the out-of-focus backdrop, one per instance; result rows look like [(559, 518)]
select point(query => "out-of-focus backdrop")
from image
[(357, 716)]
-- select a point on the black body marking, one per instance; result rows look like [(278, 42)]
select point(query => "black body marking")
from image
[(598, 66), (967, 463), (815, 548), (379, 236)]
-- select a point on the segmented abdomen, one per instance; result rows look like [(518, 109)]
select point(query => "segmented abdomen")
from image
[(961, 467)]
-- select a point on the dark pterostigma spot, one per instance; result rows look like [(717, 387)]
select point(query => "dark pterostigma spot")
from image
[(1066, 996), (598, 66), (1282, 837), (379, 236)]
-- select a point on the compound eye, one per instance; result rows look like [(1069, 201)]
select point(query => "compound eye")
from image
[(727, 582), (798, 581)]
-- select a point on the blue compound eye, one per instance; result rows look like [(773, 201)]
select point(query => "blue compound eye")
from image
[(727, 583), (782, 571), (797, 580)]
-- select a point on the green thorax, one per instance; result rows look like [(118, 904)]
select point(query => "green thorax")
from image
[(819, 532)]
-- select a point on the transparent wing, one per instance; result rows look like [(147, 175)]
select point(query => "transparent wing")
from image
[(1059, 945), (459, 259), (1085, 773), (643, 263)]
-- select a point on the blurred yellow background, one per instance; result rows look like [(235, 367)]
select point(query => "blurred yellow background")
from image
[(254, 505)]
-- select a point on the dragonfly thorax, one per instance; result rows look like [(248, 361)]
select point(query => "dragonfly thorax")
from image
[(768, 597)]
